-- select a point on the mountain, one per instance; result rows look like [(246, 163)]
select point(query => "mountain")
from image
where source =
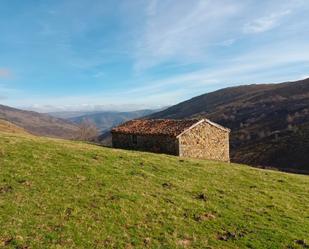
[(67, 194), (269, 122), (71, 114), (38, 124), (107, 120)]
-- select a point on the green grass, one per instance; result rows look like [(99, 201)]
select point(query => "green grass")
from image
[(61, 194)]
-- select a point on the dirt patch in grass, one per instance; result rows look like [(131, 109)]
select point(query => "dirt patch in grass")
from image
[(6, 189), (204, 217), (184, 242)]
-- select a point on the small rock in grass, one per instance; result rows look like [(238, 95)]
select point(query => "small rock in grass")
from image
[(169, 200), (147, 241), (167, 185), (230, 235), (108, 242), (68, 212), (227, 235), (202, 196), (302, 243)]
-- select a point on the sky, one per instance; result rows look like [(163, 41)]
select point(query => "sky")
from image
[(133, 54)]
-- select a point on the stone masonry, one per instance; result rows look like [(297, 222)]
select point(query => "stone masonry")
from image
[(186, 138), (205, 141)]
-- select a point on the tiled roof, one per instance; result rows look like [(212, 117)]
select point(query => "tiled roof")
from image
[(167, 127)]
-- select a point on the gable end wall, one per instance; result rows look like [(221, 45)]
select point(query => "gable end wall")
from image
[(205, 141)]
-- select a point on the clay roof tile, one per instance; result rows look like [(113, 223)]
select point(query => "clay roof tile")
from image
[(167, 127)]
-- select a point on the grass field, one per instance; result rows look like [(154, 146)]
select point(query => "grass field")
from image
[(61, 194)]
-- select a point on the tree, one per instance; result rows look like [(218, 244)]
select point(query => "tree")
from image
[(87, 131)]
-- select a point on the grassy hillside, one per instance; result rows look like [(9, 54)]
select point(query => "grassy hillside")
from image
[(262, 117), (38, 123), (6, 126), (61, 194)]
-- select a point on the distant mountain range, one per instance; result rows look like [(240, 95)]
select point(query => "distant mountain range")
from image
[(107, 120), (51, 125), (70, 114), (39, 124), (269, 122)]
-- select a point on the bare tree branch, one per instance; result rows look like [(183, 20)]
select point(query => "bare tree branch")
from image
[(87, 131)]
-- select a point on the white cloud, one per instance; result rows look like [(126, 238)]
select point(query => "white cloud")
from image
[(265, 23), (187, 32), (228, 42), (265, 64), (196, 46), (182, 31), (122, 101)]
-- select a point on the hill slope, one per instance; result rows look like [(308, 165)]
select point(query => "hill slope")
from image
[(6, 126), (269, 122), (107, 120), (37, 123), (61, 194)]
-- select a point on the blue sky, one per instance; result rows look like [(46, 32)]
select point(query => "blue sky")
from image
[(134, 54)]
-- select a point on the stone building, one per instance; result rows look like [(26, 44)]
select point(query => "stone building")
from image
[(186, 138)]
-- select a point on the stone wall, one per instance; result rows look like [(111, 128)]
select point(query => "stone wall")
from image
[(205, 141), (151, 143)]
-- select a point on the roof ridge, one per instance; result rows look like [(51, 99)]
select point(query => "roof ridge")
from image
[(172, 119), (167, 127), (217, 125)]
